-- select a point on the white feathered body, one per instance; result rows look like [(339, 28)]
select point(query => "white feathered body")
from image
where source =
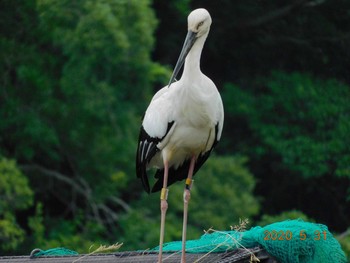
[(196, 109)]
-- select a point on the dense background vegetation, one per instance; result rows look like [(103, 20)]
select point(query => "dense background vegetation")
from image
[(76, 77)]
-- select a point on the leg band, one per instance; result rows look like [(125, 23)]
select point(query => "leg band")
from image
[(164, 194), (188, 183)]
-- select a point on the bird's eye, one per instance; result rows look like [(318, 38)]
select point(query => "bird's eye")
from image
[(200, 24)]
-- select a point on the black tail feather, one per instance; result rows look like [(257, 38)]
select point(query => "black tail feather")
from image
[(180, 173)]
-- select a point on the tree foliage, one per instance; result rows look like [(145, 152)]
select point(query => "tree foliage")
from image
[(299, 125), (303, 119), (67, 114), (76, 77), (15, 195)]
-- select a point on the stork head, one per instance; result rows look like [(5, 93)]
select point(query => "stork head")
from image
[(199, 21)]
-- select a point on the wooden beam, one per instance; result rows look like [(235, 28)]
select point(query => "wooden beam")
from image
[(237, 256)]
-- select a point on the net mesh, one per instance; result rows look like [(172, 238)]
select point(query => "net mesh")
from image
[(290, 241), (59, 251)]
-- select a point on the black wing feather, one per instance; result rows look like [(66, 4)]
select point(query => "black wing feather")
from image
[(181, 172), (146, 150)]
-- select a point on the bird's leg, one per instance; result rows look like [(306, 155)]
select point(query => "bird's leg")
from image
[(163, 209), (187, 196)]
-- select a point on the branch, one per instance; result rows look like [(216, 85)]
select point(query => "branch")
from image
[(308, 42), (60, 177), (273, 15), (315, 3), (121, 202), (344, 234), (83, 188)]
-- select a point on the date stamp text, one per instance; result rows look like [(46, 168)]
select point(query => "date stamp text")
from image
[(288, 235)]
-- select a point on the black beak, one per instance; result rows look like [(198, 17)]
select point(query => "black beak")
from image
[(189, 41)]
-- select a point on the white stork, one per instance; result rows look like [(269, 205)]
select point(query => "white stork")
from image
[(182, 124)]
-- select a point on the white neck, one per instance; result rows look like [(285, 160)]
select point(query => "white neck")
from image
[(192, 62)]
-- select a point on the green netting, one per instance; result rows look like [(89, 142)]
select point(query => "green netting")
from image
[(53, 252), (290, 241)]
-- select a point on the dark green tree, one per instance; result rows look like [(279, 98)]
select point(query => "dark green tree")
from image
[(75, 77), (15, 195), (298, 127)]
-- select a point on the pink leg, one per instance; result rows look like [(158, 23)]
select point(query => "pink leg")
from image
[(163, 209), (187, 196)]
